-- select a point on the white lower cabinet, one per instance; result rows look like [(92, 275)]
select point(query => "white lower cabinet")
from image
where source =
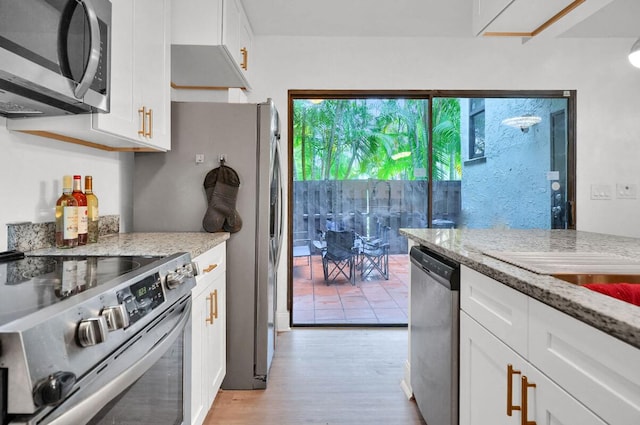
[(549, 404), (208, 332), (483, 375), (497, 386), (598, 369), (525, 363)]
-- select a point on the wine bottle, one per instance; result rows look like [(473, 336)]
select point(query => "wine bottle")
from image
[(66, 217), (82, 210), (93, 219)]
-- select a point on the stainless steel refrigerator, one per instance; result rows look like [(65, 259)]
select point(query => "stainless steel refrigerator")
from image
[(169, 196)]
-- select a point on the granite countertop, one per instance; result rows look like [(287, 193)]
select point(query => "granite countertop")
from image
[(467, 246), (143, 244)]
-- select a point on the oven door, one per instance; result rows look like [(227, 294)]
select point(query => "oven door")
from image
[(142, 383), (57, 48)]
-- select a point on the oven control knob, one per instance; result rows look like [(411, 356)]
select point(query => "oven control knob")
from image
[(190, 270), (174, 279), (53, 389), (93, 331), (117, 317)]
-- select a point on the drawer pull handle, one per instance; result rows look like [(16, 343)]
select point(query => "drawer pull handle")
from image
[(210, 268), (525, 401), (510, 407)]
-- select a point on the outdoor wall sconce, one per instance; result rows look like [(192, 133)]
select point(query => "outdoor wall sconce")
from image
[(634, 54), (522, 122)]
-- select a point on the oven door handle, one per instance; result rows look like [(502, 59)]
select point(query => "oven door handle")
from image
[(84, 410)]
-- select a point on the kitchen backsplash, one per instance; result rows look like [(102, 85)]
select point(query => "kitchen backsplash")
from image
[(29, 236)]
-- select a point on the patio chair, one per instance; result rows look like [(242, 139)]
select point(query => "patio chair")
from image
[(374, 253), (338, 258), (302, 248)]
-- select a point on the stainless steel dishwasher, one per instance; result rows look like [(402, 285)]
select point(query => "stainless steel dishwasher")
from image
[(435, 317)]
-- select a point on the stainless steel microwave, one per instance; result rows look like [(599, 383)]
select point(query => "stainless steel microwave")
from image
[(54, 57)]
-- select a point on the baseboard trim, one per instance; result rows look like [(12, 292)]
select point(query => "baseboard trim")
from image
[(405, 384), (282, 321)]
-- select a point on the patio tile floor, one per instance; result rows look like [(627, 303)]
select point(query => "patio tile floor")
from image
[(372, 301)]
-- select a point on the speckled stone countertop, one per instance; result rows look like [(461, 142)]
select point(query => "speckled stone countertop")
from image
[(617, 318), (143, 244)]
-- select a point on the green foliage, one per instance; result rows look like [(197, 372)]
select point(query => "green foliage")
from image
[(383, 139)]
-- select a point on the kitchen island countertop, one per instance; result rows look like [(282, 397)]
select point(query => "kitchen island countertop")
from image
[(143, 244), (467, 246)]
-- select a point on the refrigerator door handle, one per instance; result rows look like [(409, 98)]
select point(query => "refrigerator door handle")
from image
[(280, 208), (276, 207)]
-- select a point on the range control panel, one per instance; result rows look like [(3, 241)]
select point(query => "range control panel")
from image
[(142, 297)]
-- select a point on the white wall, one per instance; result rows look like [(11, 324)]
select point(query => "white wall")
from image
[(31, 170), (608, 89)]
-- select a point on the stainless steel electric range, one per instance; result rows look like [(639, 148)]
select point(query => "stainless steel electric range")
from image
[(94, 340)]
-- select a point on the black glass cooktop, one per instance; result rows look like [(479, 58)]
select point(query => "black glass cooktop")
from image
[(34, 283)]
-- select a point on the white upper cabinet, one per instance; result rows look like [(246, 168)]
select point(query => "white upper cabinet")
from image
[(211, 45), (237, 34), (245, 34), (140, 111)]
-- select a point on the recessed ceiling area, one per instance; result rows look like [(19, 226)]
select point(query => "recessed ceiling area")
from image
[(526, 18), (436, 18), (620, 18), (360, 18)]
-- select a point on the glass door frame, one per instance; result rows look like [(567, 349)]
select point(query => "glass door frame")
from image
[(429, 95)]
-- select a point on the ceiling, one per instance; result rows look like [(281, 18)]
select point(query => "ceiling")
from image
[(426, 18)]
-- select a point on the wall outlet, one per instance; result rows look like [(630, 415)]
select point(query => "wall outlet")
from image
[(626, 191), (601, 191)]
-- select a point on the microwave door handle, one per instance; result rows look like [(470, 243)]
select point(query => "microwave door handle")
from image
[(94, 53)]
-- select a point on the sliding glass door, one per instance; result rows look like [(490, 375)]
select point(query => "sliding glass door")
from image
[(374, 162)]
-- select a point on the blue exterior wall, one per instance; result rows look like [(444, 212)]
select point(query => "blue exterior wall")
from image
[(510, 186)]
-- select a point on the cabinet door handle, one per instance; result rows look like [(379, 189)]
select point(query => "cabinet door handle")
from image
[(245, 58), (510, 407), (150, 117), (210, 268), (525, 401), (213, 312), (143, 117), (215, 295)]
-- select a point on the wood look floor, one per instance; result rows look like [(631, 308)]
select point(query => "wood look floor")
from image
[(347, 376)]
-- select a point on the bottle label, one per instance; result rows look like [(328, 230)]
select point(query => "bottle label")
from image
[(69, 280), (70, 223), (82, 220)]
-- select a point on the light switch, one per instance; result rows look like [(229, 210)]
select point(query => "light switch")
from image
[(199, 158), (601, 191)]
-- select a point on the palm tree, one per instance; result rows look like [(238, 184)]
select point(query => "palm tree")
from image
[(361, 138), (447, 164)]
